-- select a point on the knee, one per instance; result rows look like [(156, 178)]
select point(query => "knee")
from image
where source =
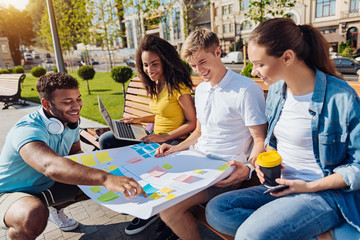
[(105, 140), (35, 218), (166, 215), (29, 221)]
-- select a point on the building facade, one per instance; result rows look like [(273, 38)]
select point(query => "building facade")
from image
[(5, 55), (337, 20), (172, 20)]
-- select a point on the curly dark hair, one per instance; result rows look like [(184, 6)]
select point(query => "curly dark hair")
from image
[(174, 69), (47, 84)]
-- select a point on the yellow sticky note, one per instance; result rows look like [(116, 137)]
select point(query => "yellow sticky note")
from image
[(155, 196), (223, 167), (198, 171), (107, 197), (95, 189), (113, 167), (103, 157), (170, 196), (166, 190), (105, 170), (74, 158), (88, 160)]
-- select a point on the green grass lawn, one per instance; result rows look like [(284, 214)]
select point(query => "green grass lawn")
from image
[(103, 85)]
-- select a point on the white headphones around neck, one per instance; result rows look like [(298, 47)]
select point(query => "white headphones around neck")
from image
[(53, 125)]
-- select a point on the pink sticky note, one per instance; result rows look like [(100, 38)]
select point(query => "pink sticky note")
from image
[(182, 178), (134, 160), (192, 179), (156, 172)]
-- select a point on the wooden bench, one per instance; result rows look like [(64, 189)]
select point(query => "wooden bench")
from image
[(10, 89)]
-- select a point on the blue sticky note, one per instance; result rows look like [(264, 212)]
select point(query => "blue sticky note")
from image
[(140, 151), (155, 145), (135, 147), (148, 148), (117, 172), (146, 156), (149, 189), (142, 144), (152, 153)]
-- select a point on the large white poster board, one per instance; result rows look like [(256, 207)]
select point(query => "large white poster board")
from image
[(167, 180)]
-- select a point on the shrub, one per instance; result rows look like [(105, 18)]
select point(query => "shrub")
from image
[(86, 73), (19, 69), (122, 74), (247, 70), (3, 71), (38, 71)]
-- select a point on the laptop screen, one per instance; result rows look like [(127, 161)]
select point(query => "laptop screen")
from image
[(105, 114)]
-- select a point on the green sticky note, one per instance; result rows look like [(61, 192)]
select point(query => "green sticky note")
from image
[(74, 158), (103, 157), (167, 166), (223, 167), (107, 197), (88, 160), (198, 171), (95, 189)]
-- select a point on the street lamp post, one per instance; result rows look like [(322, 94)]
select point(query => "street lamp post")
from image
[(55, 36)]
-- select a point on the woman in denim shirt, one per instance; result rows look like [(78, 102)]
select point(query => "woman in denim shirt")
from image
[(314, 124)]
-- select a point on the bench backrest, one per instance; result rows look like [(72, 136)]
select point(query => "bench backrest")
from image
[(10, 84), (137, 101)]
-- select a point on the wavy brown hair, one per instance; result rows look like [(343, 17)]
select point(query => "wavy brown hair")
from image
[(174, 70), (280, 34)]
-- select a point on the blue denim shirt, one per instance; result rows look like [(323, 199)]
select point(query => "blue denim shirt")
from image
[(335, 126)]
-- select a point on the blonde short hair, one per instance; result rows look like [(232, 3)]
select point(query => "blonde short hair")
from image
[(202, 38)]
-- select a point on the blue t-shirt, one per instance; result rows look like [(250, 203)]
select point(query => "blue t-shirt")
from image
[(15, 174)]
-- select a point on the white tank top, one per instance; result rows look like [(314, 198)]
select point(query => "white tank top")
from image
[(294, 141)]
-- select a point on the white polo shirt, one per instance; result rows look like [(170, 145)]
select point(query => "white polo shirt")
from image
[(225, 111)]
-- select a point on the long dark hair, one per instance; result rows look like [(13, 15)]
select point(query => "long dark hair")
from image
[(280, 34), (174, 70)]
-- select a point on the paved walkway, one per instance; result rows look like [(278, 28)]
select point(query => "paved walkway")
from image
[(96, 221)]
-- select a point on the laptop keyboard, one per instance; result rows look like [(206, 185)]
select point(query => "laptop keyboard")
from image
[(124, 130)]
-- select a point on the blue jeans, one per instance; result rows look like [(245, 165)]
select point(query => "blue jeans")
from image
[(250, 214)]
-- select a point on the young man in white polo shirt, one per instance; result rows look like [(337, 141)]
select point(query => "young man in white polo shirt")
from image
[(231, 125)]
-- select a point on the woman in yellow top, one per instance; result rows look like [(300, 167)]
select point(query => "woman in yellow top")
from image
[(168, 82)]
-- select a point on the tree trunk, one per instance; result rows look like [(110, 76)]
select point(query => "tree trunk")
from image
[(87, 84)]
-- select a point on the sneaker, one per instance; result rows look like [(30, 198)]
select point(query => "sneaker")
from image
[(61, 220), (138, 225), (167, 234)]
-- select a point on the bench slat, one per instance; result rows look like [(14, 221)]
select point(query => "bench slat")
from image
[(137, 91), (136, 112), (136, 98), (139, 106)]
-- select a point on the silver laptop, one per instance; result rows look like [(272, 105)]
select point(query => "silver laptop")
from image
[(121, 130)]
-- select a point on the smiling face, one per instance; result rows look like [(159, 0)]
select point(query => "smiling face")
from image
[(65, 105), (152, 66), (208, 65), (268, 68)]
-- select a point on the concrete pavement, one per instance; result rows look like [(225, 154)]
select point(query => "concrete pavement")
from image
[(96, 221)]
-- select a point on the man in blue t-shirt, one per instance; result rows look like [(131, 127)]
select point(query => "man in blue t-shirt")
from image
[(36, 181)]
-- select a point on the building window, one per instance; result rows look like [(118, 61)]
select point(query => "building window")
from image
[(4, 48), (217, 11), (130, 35), (246, 25), (325, 8), (165, 26), (225, 28), (218, 29), (176, 23), (354, 5), (225, 10), (230, 9), (245, 4), (232, 27)]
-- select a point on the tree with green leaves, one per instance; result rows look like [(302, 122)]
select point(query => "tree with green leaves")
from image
[(260, 9), (122, 74), (17, 26), (86, 73)]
